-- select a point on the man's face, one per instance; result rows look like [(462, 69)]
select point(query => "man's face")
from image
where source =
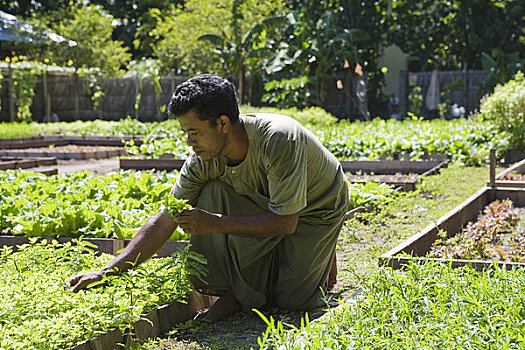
[(206, 141)]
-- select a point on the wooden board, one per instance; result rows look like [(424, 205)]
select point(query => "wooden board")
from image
[(393, 167), (452, 223)]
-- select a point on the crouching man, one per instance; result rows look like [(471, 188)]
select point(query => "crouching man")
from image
[(269, 202)]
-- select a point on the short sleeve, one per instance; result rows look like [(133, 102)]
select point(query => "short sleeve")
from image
[(287, 174)]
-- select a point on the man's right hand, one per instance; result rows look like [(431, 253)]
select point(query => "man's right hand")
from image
[(83, 280)]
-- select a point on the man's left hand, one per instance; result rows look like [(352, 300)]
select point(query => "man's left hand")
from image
[(196, 221)]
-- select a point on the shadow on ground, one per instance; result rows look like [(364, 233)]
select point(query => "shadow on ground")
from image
[(239, 331)]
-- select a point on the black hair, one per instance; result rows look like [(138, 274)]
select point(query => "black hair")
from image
[(209, 95)]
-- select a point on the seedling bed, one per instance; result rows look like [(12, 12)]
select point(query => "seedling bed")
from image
[(105, 245), (404, 174), (451, 224), (67, 152), (48, 140), (155, 323)]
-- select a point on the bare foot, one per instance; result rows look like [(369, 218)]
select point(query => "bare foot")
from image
[(224, 306), (332, 276)]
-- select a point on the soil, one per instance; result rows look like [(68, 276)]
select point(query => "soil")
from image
[(93, 166)]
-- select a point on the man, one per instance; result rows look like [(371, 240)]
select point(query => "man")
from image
[(269, 202)]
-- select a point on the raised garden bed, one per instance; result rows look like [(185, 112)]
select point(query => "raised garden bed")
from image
[(48, 140), (404, 174), (104, 245), (399, 173), (67, 152), (151, 163), (452, 223), (143, 303), (155, 323), (25, 162), (514, 176), (31, 164)]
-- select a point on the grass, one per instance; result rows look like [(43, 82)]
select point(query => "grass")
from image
[(362, 240)]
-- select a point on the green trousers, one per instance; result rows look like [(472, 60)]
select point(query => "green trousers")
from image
[(287, 271)]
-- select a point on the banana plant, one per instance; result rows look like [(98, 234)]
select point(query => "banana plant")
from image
[(237, 48)]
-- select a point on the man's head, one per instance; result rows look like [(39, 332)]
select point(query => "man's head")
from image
[(209, 96)]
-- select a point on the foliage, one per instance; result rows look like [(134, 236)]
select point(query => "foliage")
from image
[(362, 194), (80, 205), (430, 305), (416, 100), (286, 93), (505, 108), (311, 117), (175, 206), (236, 50), (492, 237), (91, 28), (179, 28), (37, 311), (325, 36), (24, 82)]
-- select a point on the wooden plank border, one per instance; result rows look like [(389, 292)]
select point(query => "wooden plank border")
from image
[(453, 222)]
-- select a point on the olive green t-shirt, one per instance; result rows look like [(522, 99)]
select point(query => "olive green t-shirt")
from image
[(286, 171)]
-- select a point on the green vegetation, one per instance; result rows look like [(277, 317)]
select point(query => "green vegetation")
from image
[(80, 205), (430, 305), (37, 311), (505, 109)]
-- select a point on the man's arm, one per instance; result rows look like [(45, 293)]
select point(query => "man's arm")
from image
[(150, 238), (197, 221)]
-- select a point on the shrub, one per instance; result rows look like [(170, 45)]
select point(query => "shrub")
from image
[(505, 108)]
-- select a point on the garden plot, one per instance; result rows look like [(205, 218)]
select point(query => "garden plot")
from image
[(513, 176), (482, 240), (38, 311), (398, 173), (43, 165), (81, 140), (67, 152)]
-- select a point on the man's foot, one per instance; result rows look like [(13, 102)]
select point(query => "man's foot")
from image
[(224, 306), (332, 276)]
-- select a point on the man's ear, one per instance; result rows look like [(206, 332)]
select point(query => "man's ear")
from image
[(223, 123)]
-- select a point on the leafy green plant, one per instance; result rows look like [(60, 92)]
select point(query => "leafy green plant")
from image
[(427, 306), (416, 100), (175, 206), (37, 310), (73, 205), (505, 109), (492, 236), (286, 93)]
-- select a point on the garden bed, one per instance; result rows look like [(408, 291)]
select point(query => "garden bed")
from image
[(514, 176), (129, 306), (67, 152), (155, 323), (167, 164), (451, 224), (49, 140), (103, 245), (398, 173)]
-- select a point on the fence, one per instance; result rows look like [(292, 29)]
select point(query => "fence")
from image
[(464, 88), (69, 97)]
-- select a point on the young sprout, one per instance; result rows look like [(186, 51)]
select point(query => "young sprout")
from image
[(175, 206)]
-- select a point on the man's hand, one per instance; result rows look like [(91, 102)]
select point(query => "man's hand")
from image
[(83, 280), (196, 221)]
